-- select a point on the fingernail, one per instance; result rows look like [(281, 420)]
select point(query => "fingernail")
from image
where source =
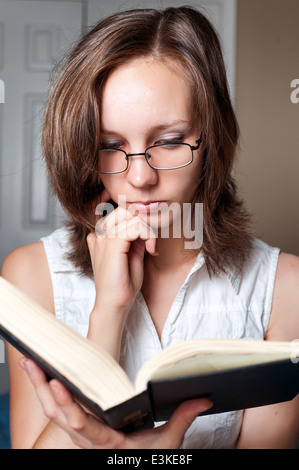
[(22, 363), (200, 405), (54, 388), (204, 406), (25, 364)]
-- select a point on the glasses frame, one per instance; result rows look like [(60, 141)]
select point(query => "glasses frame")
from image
[(147, 157)]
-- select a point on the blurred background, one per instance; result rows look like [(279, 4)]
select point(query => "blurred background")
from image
[(260, 40)]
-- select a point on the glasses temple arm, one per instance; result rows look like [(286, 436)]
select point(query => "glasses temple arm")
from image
[(198, 141)]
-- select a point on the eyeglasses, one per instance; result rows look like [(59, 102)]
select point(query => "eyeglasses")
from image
[(167, 156)]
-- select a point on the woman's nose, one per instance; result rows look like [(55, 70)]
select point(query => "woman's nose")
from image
[(139, 172)]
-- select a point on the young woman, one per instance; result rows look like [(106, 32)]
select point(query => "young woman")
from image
[(140, 117)]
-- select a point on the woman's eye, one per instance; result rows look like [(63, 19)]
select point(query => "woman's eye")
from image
[(169, 142), (111, 145)]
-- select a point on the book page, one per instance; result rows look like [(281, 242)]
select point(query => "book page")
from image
[(212, 363), (207, 355), (89, 368)]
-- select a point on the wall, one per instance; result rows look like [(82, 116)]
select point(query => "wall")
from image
[(268, 167)]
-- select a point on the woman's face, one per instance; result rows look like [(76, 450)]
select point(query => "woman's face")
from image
[(144, 103)]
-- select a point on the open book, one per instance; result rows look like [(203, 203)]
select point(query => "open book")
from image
[(234, 374)]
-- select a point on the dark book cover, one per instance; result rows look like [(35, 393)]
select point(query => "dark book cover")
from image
[(228, 390)]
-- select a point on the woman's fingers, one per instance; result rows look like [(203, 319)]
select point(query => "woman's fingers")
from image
[(109, 222), (59, 406), (174, 430), (123, 225), (41, 385), (84, 427), (171, 434), (132, 229)]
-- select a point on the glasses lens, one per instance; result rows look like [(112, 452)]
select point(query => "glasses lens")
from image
[(112, 161), (169, 156)]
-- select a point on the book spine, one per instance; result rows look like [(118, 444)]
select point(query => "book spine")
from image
[(131, 415)]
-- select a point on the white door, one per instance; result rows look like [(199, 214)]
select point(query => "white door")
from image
[(32, 34)]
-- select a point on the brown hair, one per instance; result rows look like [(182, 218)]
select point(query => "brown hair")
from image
[(71, 131)]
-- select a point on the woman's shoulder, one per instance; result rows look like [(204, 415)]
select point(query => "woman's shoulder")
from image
[(288, 268), (287, 279), (27, 268), (284, 321)]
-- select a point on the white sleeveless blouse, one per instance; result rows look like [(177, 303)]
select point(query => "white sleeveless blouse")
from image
[(229, 306)]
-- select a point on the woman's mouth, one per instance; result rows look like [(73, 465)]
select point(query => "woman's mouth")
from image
[(146, 207)]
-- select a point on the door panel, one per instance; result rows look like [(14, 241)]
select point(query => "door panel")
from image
[(32, 35)]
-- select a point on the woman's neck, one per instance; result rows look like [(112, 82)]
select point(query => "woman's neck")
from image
[(172, 255), (163, 276)]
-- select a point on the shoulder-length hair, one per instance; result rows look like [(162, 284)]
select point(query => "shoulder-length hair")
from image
[(72, 126)]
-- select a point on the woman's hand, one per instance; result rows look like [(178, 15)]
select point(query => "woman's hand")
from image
[(117, 249), (88, 433), (117, 252)]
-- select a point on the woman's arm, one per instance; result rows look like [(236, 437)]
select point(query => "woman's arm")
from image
[(277, 426), (27, 269), (117, 255)]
